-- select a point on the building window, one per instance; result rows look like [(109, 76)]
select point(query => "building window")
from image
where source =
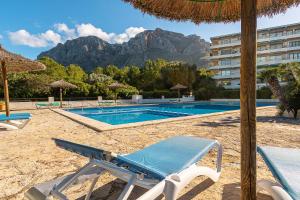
[(262, 48), (226, 51), (294, 44), (224, 73), (297, 31), (225, 41), (276, 34), (261, 59), (276, 46), (226, 62), (294, 56), (262, 35), (275, 58)]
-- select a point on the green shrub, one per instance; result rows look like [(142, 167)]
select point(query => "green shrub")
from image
[(264, 93)]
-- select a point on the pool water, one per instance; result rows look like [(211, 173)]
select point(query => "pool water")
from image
[(132, 114)]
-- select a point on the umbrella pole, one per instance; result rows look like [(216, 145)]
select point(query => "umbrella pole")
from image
[(5, 85), (248, 98), (178, 92), (60, 96)]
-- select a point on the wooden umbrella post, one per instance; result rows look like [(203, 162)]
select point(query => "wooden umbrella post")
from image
[(5, 85), (61, 96), (248, 99)]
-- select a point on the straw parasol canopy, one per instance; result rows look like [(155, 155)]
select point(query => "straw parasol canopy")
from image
[(208, 11), (61, 84), (178, 87), (226, 11), (11, 62)]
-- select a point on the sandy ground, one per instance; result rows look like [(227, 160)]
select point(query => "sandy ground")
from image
[(29, 156)]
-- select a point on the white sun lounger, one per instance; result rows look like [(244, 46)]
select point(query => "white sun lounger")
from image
[(284, 163), (162, 168), (14, 121)]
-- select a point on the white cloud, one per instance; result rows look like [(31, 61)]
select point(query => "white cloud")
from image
[(1, 36), (63, 32), (23, 37), (129, 33), (64, 29), (133, 31), (91, 30), (51, 37)]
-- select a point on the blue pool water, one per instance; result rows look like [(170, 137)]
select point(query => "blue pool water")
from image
[(132, 114)]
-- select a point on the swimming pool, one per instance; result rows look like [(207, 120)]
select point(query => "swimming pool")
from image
[(132, 114)]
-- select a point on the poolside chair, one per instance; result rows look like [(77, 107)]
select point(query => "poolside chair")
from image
[(284, 163), (163, 168), (14, 121), (47, 105)]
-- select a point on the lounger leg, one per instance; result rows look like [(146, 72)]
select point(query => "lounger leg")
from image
[(128, 188), (88, 195), (274, 189), (56, 192)]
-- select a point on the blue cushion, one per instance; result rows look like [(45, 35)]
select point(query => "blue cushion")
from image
[(15, 116), (284, 164), (169, 156)]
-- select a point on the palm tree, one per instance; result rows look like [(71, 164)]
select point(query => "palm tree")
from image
[(270, 75)]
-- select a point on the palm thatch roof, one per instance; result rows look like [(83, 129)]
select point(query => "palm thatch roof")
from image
[(178, 87), (208, 10), (17, 63), (62, 84), (116, 85)]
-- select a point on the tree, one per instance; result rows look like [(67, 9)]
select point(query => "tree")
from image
[(270, 75), (53, 69), (177, 72), (75, 73), (205, 86), (134, 76)]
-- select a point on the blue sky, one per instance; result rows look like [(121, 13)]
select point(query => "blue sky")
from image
[(31, 26)]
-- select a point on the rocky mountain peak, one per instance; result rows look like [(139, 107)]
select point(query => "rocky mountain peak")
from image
[(90, 52)]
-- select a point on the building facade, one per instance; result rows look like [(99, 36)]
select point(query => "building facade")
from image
[(276, 45)]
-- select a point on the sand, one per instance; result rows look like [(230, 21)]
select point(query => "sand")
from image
[(29, 156)]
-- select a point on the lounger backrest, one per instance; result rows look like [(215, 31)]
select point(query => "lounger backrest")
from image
[(87, 151)]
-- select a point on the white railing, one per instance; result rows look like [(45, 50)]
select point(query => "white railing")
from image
[(267, 39)]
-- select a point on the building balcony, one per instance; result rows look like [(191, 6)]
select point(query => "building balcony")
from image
[(261, 63), (224, 56), (260, 40), (237, 65), (285, 49), (231, 76)]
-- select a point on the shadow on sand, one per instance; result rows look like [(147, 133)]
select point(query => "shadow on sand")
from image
[(113, 189), (234, 121), (232, 191)]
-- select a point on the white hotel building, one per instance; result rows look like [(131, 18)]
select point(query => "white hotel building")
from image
[(275, 46)]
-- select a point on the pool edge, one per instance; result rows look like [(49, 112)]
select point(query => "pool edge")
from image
[(101, 126)]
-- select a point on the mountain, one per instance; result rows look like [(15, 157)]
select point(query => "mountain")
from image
[(91, 51)]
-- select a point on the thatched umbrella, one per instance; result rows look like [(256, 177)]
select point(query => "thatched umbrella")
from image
[(178, 87), (210, 11), (11, 62), (114, 86), (61, 84)]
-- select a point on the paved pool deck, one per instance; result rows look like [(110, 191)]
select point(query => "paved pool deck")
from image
[(29, 156)]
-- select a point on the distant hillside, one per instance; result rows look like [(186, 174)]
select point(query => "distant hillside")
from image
[(91, 51)]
